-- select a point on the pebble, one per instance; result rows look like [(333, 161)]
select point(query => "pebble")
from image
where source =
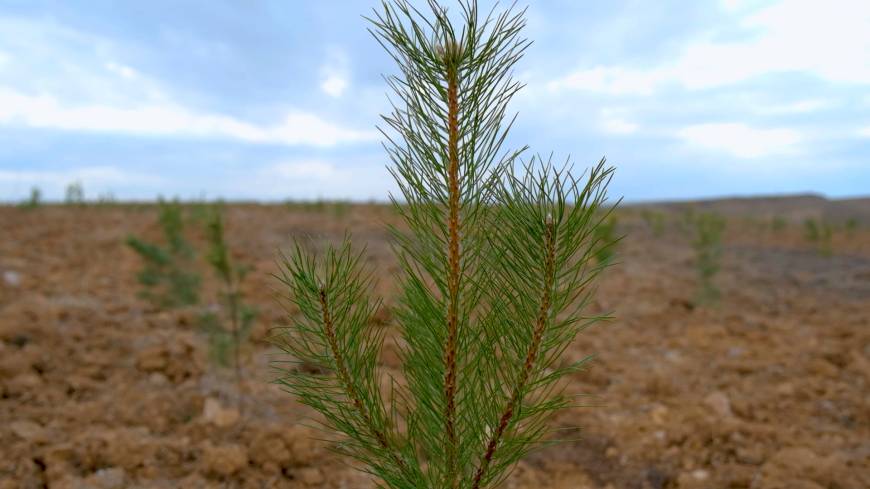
[(218, 415), (311, 476), (30, 431), (11, 278), (658, 414), (224, 460), (109, 478), (719, 403)]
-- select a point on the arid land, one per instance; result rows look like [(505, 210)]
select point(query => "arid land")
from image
[(768, 388)]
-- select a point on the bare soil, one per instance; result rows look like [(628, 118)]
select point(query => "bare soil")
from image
[(769, 388)]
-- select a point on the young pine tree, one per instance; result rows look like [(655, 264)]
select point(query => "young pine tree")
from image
[(228, 329), (708, 254), (605, 233), (33, 201), (497, 265), (167, 277)]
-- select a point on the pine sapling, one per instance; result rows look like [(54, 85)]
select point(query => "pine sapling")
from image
[(75, 194), (707, 244), (655, 220), (226, 340), (820, 234), (606, 236), (167, 277), (33, 201), (497, 260), (778, 224)]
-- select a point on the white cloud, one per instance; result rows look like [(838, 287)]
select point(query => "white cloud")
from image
[(614, 122), (829, 40), (334, 85), (53, 182), (122, 70), (317, 178), (741, 140), (612, 80), (864, 132), (798, 107), (297, 128), (318, 170), (65, 79), (335, 73)]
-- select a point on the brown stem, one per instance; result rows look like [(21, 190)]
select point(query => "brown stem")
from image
[(345, 379), (453, 272), (531, 354), (232, 298)]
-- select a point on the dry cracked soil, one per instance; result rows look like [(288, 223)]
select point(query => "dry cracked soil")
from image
[(769, 388)]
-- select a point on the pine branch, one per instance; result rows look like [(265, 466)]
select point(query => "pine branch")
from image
[(333, 335), (532, 354)]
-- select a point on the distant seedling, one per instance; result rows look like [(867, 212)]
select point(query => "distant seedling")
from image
[(229, 328), (778, 223), (75, 194), (605, 236), (821, 234), (167, 277), (33, 201), (707, 244), (655, 220)]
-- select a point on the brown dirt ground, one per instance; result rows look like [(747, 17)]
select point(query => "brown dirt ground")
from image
[(769, 389)]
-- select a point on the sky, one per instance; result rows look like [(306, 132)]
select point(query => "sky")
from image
[(277, 100)]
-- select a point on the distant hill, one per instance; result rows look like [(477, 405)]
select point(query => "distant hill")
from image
[(792, 207)]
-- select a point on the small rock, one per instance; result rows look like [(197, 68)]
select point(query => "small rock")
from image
[(700, 474), (659, 414), (224, 460), (30, 431), (750, 455), (311, 476), (11, 278), (304, 449), (719, 403), (152, 359), (214, 413), (270, 451), (796, 458), (156, 378), (823, 368), (111, 478), (785, 389)]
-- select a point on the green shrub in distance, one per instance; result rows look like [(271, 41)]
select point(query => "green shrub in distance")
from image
[(707, 243), (167, 275)]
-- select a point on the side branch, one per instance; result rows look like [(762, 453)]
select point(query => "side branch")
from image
[(531, 354), (345, 379)]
